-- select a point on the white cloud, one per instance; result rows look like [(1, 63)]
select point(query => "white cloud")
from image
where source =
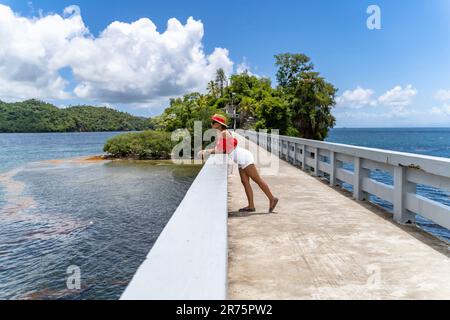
[(374, 115), (72, 10), (243, 67), (398, 97), (126, 63), (444, 110), (441, 111), (27, 51), (357, 98), (442, 95)]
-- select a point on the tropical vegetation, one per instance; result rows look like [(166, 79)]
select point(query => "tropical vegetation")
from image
[(300, 105), (149, 144), (38, 116)]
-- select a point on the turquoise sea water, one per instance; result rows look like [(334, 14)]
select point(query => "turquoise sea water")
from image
[(426, 141), (99, 217)]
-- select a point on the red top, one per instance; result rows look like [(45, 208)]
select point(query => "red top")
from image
[(226, 145)]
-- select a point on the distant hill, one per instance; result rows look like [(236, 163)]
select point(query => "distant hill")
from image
[(37, 116)]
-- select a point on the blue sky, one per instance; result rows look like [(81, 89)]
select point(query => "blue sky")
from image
[(396, 76)]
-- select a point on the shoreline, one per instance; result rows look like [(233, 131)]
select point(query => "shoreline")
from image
[(335, 128), (92, 159)]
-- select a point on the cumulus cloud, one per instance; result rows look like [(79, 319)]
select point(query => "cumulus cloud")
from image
[(444, 110), (442, 95), (126, 63), (244, 67), (396, 100), (357, 98), (391, 114), (398, 97), (28, 48), (72, 10), (441, 111)]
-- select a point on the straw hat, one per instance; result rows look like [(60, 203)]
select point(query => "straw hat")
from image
[(220, 119)]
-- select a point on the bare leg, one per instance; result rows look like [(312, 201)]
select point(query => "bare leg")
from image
[(251, 172), (245, 179)]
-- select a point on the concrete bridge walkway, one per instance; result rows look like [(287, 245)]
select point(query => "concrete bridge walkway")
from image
[(321, 244)]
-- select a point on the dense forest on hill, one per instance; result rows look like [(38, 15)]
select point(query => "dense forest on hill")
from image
[(37, 116)]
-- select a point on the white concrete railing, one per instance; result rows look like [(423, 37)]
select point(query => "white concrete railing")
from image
[(407, 170), (189, 259)]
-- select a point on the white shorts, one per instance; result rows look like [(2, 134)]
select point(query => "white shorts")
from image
[(242, 157)]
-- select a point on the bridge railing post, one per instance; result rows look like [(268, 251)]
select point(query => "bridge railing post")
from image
[(270, 144), (401, 188), (333, 163), (303, 156), (280, 148), (295, 154), (359, 175), (288, 151), (316, 162), (291, 147)]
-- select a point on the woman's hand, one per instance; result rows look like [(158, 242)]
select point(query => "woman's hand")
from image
[(201, 154), (205, 153)]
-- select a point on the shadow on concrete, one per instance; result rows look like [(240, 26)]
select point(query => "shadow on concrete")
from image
[(236, 214)]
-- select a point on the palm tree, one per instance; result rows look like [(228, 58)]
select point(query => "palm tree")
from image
[(212, 89), (221, 81)]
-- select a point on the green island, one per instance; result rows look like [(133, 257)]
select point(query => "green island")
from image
[(149, 144), (34, 116)]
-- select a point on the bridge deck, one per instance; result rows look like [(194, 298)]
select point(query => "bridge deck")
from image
[(321, 244)]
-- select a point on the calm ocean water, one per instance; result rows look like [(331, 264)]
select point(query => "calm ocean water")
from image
[(102, 218), (426, 141)]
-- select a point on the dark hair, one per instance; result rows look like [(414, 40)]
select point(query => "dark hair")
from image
[(223, 127)]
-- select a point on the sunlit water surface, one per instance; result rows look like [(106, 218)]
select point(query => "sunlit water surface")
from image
[(100, 217)]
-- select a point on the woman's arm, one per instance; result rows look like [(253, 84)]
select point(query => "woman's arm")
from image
[(207, 152)]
